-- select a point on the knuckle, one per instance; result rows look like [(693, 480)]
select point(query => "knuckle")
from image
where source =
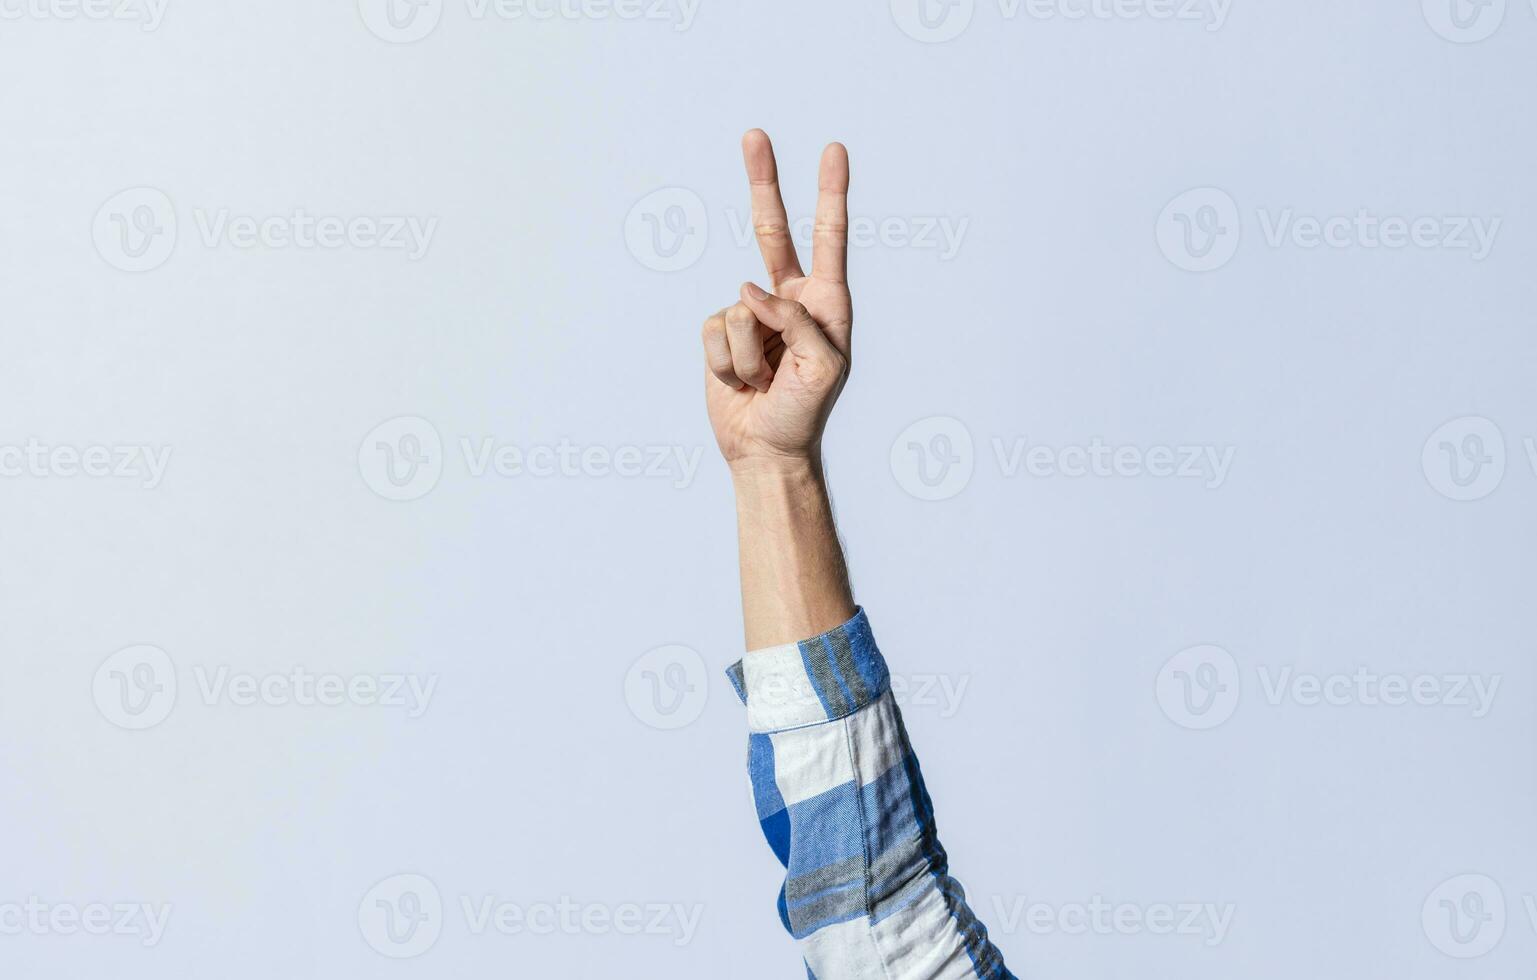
[(773, 230)]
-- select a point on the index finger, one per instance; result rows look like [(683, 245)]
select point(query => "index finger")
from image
[(830, 241), (769, 221)]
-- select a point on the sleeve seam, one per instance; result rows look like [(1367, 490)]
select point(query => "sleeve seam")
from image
[(825, 721)]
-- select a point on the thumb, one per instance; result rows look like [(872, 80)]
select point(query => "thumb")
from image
[(787, 318)]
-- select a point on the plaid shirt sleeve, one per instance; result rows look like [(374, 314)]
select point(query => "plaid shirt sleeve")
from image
[(868, 893)]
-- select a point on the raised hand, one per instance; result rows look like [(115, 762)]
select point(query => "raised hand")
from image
[(778, 360)]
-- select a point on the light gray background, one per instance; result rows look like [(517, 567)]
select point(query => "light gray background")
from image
[(537, 771)]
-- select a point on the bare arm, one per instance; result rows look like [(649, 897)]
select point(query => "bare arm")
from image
[(794, 581)]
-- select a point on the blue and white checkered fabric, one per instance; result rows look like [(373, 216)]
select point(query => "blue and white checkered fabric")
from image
[(840, 798)]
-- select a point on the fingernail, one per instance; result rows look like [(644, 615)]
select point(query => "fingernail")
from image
[(754, 291)]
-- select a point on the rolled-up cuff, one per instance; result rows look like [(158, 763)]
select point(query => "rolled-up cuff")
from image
[(821, 679)]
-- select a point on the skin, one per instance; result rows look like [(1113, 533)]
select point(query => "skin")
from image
[(776, 361)]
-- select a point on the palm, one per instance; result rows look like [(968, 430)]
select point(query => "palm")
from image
[(788, 416), (789, 413)]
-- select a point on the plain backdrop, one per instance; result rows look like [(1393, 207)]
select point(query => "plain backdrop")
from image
[(582, 179)]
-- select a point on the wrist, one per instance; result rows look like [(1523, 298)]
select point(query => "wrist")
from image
[(776, 467)]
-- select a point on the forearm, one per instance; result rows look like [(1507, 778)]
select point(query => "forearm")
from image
[(795, 583)]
